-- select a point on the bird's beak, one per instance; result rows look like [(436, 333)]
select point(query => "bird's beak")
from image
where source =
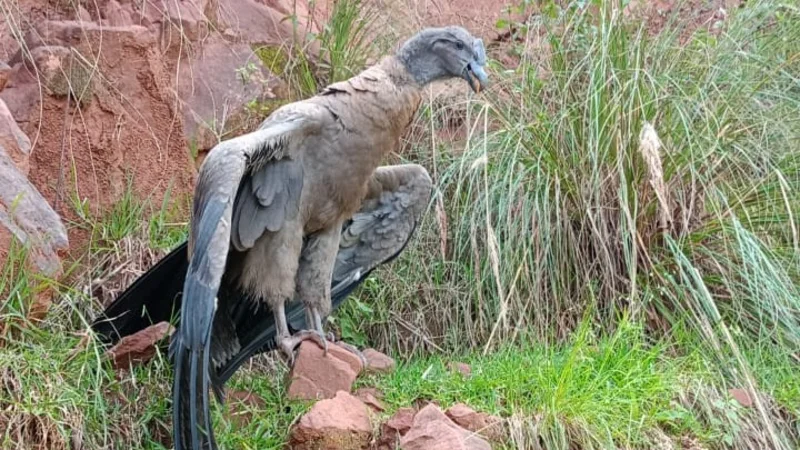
[(476, 77), (474, 72)]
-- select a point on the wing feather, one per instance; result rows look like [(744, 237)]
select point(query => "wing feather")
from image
[(236, 179)]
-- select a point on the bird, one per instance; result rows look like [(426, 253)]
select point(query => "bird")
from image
[(276, 215), (155, 296)]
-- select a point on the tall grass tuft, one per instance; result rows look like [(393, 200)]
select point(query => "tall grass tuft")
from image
[(620, 174)]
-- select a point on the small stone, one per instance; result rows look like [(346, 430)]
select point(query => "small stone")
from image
[(140, 347), (340, 423), (316, 376), (487, 426), (370, 390), (395, 428), (460, 367), (367, 395), (742, 396), (378, 362), (433, 430)]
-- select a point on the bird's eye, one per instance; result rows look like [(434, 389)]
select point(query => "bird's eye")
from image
[(459, 45)]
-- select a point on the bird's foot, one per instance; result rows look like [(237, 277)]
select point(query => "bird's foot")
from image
[(352, 349), (288, 344)]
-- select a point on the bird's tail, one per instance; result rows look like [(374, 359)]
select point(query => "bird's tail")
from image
[(191, 421), (153, 298), (191, 344)]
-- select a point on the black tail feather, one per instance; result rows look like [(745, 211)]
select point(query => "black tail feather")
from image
[(192, 425), (152, 298)]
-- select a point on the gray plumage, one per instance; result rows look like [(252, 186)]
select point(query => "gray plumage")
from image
[(280, 213)]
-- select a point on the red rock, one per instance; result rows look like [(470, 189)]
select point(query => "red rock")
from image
[(132, 99), (339, 423), (117, 15), (315, 376), (83, 15), (487, 426), (25, 215), (188, 17), (140, 347), (15, 143), (370, 397), (215, 88), (241, 405), (378, 362), (5, 73), (742, 396), (371, 391), (394, 428), (433, 430), (461, 367), (254, 21)]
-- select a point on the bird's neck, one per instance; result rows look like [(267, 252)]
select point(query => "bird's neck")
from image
[(419, 62)]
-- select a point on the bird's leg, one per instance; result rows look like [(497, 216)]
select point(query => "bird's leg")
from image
[(314, 277), (288, 342), (272, 266)]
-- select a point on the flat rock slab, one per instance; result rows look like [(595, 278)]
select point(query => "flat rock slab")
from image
[(339, 423), (317, 376), (25, 215)]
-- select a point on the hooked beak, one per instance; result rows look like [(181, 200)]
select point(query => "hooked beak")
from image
[(476, 77), (473, 72)]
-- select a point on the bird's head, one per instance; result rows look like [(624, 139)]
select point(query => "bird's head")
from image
[(447, 52)]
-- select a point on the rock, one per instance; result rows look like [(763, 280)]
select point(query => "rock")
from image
[(254, 21), (487, 426), (83, 15), (742, 396), (460, 367), (128, 124), (188, 18), (5, 73), (339, 423), (117, 15), (433, 430), (378, 362), (241, 405), (369, 391), (14, 142), (315, 376), (371, 397), (60, 73), (24, 214), (216, 87), (138, 348), (74, 33), (395, 428)]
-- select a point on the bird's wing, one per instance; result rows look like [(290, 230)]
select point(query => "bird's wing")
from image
[(377, 233), (246, 185)]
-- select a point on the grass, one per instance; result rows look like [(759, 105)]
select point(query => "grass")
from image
[(613, 247)]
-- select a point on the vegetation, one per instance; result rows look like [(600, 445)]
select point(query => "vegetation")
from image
[(612, 248)]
